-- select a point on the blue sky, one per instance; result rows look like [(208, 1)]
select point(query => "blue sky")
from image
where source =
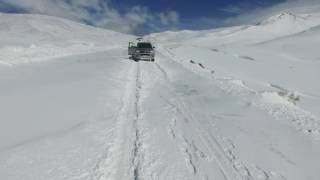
[(196, 9), (145, 16)]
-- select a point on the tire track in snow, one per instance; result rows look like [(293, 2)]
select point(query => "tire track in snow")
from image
[(241, 171), (137, 152), (216, 150), (122, 159)]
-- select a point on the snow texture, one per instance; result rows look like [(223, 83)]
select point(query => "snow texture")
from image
[(237, 103)]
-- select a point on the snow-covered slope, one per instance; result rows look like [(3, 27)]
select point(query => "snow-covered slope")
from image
[(273, 66), (26, 38), (177, 36), (278, 54), (302, 46), (57, 116), (237, 103)]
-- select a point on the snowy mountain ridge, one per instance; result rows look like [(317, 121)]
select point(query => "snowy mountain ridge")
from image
[(290, 22), (284, 16), (277, 26)]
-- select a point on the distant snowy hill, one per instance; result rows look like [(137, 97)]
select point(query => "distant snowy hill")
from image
[(280, 25), (26, 37)]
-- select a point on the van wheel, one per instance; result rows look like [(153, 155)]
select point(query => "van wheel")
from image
[(152, 60)]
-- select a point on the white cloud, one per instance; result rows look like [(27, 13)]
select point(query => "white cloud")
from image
[(99, 13), (231, 9), (170, 17)]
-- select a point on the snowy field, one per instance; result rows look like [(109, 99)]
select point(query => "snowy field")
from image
[(238, 103)]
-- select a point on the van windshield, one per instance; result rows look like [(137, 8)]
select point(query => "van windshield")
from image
[(144, 45)]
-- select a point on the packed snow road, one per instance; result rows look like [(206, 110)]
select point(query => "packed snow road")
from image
[(102, 116)]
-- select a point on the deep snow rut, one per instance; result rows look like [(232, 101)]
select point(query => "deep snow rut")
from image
[(137, 152), (122, 158)]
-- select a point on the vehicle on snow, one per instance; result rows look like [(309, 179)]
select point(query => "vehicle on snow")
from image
[(141, 50)]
